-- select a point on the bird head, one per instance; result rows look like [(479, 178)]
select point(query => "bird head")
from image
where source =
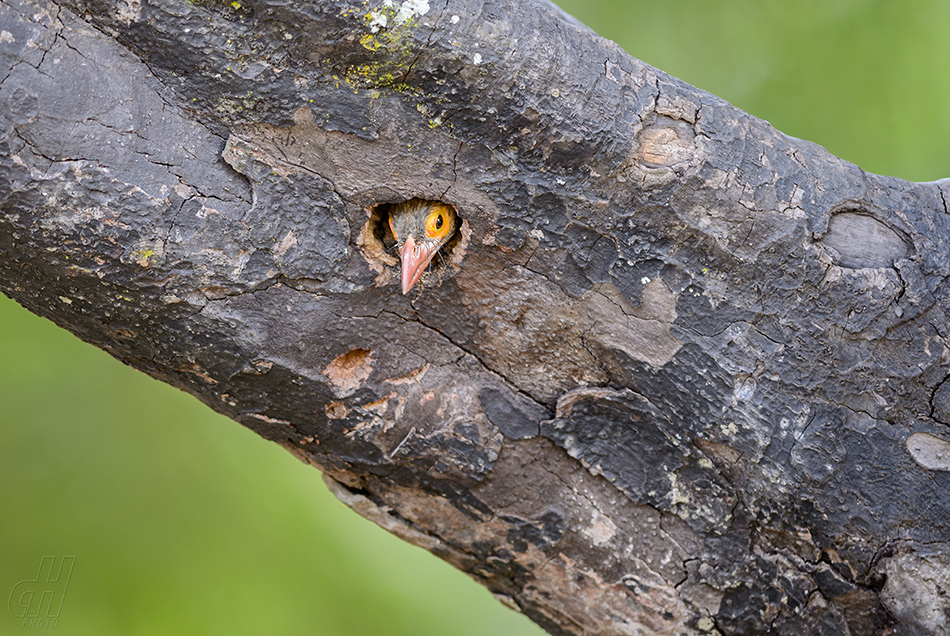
[(421, 228)]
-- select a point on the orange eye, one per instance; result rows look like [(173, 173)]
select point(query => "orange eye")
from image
[(437, 224)]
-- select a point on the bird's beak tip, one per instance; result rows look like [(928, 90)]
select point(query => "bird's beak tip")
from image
[(415, 258)]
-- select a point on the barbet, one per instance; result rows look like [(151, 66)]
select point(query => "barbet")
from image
[(421, 229)]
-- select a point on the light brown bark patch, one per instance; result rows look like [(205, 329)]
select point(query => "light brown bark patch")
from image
[(666, 142), (348, 371)]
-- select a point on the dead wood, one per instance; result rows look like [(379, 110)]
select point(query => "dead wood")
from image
[(678, 373)]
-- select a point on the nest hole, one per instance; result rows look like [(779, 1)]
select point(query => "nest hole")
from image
[(379, 245)]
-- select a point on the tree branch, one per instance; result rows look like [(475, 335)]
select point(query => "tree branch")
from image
[(679, 373)]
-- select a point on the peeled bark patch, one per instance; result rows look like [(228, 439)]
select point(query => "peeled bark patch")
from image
[(349, 370), (930, 451), (861, 241), (916, 591)]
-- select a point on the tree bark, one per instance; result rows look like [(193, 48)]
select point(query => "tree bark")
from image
[(679, 374)]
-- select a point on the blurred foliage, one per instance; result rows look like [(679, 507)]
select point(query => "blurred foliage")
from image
[(867, 79), (183, 522)]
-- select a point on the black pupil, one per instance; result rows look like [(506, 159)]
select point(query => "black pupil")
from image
[(438, 222)]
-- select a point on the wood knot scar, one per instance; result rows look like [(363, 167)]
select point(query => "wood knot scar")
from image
[(666, 142)]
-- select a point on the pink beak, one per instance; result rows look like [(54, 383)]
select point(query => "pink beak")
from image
[(415, 258)]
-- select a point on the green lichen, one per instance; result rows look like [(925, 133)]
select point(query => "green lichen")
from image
[(381, 75), (233, 7), (389, 36), (388, 49), (234, 106)]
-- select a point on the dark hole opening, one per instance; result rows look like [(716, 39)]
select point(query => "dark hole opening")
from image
[(380, 244)]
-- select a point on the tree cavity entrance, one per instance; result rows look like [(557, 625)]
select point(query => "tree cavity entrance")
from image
[(379, 247)]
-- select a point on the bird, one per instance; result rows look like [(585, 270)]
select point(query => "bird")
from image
[(421, 228)]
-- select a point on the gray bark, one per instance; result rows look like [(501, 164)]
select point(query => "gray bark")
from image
[(681, 373)]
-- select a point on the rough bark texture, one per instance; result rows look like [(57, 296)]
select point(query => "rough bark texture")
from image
[(681, 374)]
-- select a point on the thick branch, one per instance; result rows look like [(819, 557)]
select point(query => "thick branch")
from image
[(679, 374)]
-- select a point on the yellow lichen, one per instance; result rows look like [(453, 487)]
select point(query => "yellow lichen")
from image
[(370, 42), (234, 105), (389, 34), (388, 38), (143, 256)]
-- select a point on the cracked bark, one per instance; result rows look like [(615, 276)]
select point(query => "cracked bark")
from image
[(681, 374)]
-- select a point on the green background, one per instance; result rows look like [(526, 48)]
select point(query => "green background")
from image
[(226, 533)]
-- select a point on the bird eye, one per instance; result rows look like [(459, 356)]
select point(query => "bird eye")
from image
[(438, 224)]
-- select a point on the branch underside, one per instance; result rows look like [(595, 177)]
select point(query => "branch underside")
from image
[(680, 373)]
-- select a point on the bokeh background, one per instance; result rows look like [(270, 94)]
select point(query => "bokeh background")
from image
[(184, 522)]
